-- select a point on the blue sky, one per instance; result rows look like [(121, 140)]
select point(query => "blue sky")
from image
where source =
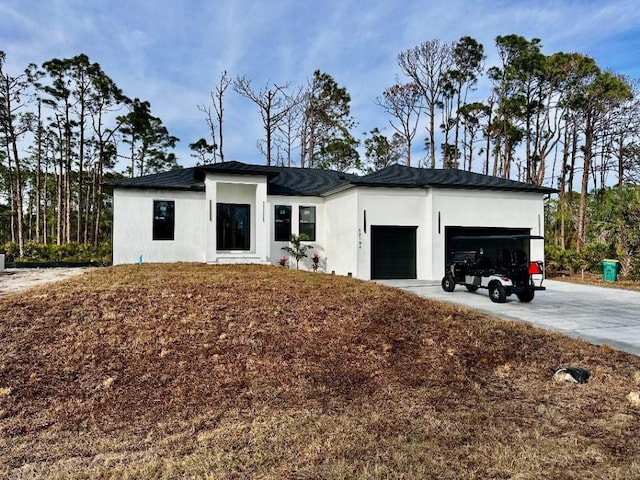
[(171, 53)]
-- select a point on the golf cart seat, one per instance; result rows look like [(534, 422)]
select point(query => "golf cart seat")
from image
[(504, 259), (520, 258), (483, 264)]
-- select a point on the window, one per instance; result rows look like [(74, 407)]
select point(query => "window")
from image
[(283, 223), (233, 231), (308, 222), (163, 219)]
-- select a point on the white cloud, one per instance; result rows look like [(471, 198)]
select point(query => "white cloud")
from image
[(171, 53)]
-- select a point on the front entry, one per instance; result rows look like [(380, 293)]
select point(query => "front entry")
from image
[(393, 252)]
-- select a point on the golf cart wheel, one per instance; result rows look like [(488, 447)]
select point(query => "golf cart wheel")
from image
[(526, 296), (471, 288), (497, 293), (448, 283)]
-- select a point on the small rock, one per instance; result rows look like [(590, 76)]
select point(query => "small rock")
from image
[(572, 374), (634, 398)]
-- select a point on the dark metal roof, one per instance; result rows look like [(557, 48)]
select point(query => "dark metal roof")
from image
[(306, 181), (287, 180), (411, 177), (182, 179)]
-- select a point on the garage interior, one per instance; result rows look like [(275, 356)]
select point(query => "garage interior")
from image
[(466, 243)]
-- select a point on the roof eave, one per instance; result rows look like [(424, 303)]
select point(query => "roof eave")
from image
[(504, 188), (203, 171), (109, 188), (338, 189)]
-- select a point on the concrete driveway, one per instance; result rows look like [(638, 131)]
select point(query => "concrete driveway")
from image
[(595, 314)]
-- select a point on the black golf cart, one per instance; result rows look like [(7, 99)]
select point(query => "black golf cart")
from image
[(498, 263)]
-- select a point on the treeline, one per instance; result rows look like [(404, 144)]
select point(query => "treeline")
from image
[(64, 127), (555, 119)]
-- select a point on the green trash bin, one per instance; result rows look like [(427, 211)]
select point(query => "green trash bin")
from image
[(610, 270)]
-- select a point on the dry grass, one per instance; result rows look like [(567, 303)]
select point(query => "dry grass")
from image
[(238, 372), (596, 279)]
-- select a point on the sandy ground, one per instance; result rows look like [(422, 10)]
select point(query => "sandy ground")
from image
[(17, 279)]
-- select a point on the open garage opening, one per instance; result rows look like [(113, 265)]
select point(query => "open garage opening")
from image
[(467, 243)]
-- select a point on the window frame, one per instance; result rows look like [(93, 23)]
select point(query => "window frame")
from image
[(232, 244), (301, 222), (165, 231), (276, 230)]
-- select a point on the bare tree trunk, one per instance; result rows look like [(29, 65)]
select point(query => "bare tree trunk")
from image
[(98, 195), (562, 188), (67, 188), (582, 213), (496, 157), (620, 162), (488, 132), (12, 200), (18, 193), (45, 201), (38, 173), (80, 174), (225, 81), (432, 134), (87, 213), (506, 161)]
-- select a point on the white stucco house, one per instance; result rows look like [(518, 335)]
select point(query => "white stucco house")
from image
[(394, 223)]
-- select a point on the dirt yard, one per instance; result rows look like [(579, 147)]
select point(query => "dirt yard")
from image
[(17, 279), (253, 371)]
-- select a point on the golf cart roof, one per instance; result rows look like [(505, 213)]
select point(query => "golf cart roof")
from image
[(497, 237)]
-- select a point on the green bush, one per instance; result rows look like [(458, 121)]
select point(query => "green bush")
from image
[(634, 270), (593, 253), (559, 259), (11, 249), (37, 252), (66, 252)]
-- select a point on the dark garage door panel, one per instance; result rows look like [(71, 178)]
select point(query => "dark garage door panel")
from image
[(393, 252)]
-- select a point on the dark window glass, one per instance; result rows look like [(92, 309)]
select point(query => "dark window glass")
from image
[(308, 222), (233, 226), (283, 223), (163, 219)]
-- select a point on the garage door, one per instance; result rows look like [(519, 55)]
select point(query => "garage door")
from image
[(393, 252)]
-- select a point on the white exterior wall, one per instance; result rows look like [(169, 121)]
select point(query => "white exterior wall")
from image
[(275, 248), (398, 207), (341, 240), (244, 189), (483, 208), (341, 233), (133, 227)]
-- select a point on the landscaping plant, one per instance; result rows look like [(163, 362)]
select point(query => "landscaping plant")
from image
[(296, 248)]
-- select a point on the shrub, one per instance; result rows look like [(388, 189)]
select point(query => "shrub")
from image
[(296, 249), (593, 253), (11, 250), (633, 272), (315, 261), (38, 252), (66, 252), (559, 258)]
